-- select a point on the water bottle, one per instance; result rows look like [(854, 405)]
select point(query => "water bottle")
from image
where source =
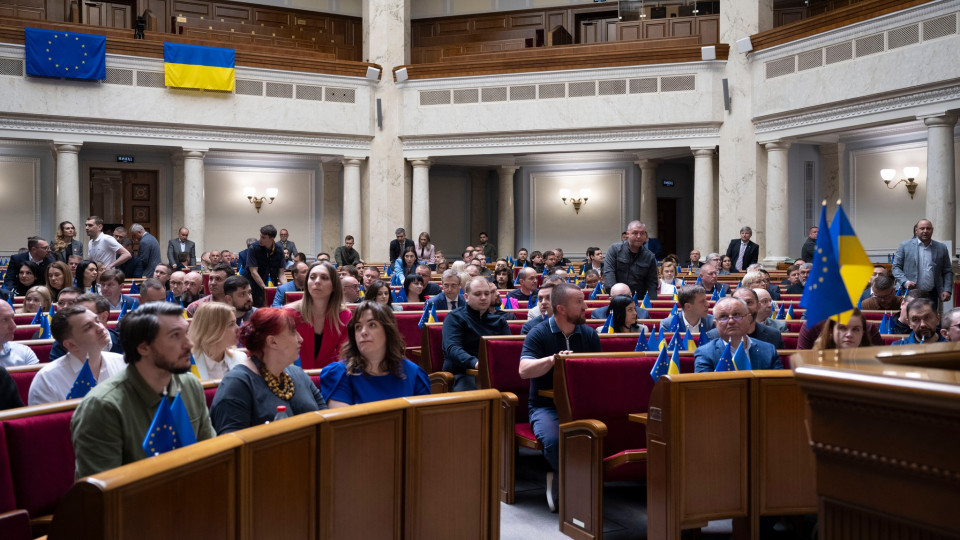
[(281, 413)]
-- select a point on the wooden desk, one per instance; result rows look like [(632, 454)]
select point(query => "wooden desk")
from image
[(640, 418)]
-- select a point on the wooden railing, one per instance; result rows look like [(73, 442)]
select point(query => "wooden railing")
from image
[(120, 41), (830, 20), (530, 62)]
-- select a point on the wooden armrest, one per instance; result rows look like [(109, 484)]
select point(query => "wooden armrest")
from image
[(509, 399), (473, 372), (595, 428), (640, 418), (415, 355), (545, 393), (16, 525)]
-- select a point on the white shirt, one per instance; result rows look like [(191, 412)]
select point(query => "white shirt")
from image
[(211, 369), (54, 381), (667, 289), (103, 249), (17, 354)]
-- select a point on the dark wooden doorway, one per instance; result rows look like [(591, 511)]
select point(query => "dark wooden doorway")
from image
[(124, 197), (667, 225), (596, 27), (112, 14)]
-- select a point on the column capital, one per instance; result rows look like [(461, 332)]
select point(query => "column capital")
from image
[(648, 163), (508, 169), (703, 152), (775, 146), (352, 161), (420, 162), (194, 153), (66, 147), (946, 120)]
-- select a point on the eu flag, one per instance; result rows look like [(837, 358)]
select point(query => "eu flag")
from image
[(170, 428), (664, 365), (181, 421), (83, 383), (741, 359), (855, 265), (652, 342), (641, 343), (824, 294), (726, 360), (425, 316), (44, 332), (134, 288), (55, 53)]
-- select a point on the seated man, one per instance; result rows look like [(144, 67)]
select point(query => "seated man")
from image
[(496, 302), (215, 280), (924, 323), (462, 329), (192, 288), (12, 354), (111, 287), (101, 307), (351, 289), (695, 310), (527, 285), (708, 277), (177, 284), (617, 290), (80, 332), (429, 287), (951, 325), (162, 274), (68, 296), (237, 293), (370, 274), (797, 287), (765, 310), (590, 280), (733, 320), (565, 332), (151, 290), (754, 330), (883, 296), (299, 281), (544, 308), (109, 426), (346, 255), (450, 287)]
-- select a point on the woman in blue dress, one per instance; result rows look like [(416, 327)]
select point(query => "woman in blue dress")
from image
[(373, 367)]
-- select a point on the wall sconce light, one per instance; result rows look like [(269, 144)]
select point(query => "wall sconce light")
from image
[(911, 174), (576, 202), (257, 202)]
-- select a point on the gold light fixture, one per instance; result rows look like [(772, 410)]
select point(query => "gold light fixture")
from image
[(577, 202), (911, 174), (257, 202)]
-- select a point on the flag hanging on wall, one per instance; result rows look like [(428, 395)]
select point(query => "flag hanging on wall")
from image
[(194, 66), (55, 53)]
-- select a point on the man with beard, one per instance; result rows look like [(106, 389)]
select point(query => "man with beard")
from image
[(462, 330), (566, 332), (109, 426), (924, 323), (237, 293)]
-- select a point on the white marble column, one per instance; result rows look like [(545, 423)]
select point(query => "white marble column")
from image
[(352, 210), (777, 216), (420, 198), (386, 41), (177, 160), (193, 193), (941, 207), (704, 207), (648, 195), (331, 215), (68, 185), (506, 227)]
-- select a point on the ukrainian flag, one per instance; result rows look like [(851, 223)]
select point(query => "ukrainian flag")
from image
[(824, 294), (193, 366), (194, 66), (855, 265)]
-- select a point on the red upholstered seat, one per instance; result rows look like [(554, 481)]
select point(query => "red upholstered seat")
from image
[(794, 326), (503, 360), (269, 294), (41, 460), (435, 342), (292, 296), (23, 318), (526, 437), (209, 393), (41, 348), (23, 333), (790, 340), (408, 324), (23, 376), (8, 500)]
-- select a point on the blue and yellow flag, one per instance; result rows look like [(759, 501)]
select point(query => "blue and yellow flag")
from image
[(855, 265), (641, 342), (824, 294), (195, 66), (38, 316), (134, 288), (646, 301), (726, 360), (44, 332), (688, 342), (55, 53), (741, 359), (83, 383), (425, 318), (652, 342), (665, 364), (598, 290), (193, 367), (885, 324), (607, 327)]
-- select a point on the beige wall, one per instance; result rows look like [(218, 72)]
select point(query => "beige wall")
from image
[(557, 225), (235, 217), (19, 201)]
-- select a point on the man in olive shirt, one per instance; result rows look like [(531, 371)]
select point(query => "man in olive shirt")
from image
[(110, 424)]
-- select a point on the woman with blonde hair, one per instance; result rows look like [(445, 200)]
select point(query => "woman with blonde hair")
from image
[(37, 298), (425, 250), (321, 316), (65, 243), (373, 366), (213, 331), (668, 273)]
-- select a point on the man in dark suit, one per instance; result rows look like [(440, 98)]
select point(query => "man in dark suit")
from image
[(430, 288), (149, 252), (398, 246), (809, 245), (451, 297), (755, 331), (742, 251), (176, 246), (708, 277), (38, 251), (733, 318), (695, 310)]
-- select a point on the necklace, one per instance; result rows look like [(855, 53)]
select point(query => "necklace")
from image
[(282, 386)]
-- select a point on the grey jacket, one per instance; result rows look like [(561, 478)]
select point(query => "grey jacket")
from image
[(906, 263), (639, 272)]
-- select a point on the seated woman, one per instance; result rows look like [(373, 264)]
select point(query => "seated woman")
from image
[(624, 311), (380, 292), (87, 274), (426, 253), (406, 264), (321, 316), (668, 274), (413, 287), (725, 264), (28, 276), (37, 298), (504, 278), (57, 277), (250, 393), (213, 331), (373, 367), (844, 336)]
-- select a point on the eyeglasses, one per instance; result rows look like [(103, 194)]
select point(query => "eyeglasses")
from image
[(727, 319)]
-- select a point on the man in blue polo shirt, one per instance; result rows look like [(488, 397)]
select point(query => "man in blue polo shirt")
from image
[(566, 332)]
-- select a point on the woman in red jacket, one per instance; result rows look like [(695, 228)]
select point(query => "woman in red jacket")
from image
[(321, 318)]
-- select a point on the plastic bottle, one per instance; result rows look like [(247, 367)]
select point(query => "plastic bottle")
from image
[(281, 413)]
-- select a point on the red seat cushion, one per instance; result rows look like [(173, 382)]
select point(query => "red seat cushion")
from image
[(208, 393), (524, 431), (408, 324), (503, 358), (435, 342), (41, 460), (8, 501), (23, 379), (43, 352)]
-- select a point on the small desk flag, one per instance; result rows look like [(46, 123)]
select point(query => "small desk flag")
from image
[(84, 381)]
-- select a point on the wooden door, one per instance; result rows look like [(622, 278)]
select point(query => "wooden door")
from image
[(112, 14), (140, 201)]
